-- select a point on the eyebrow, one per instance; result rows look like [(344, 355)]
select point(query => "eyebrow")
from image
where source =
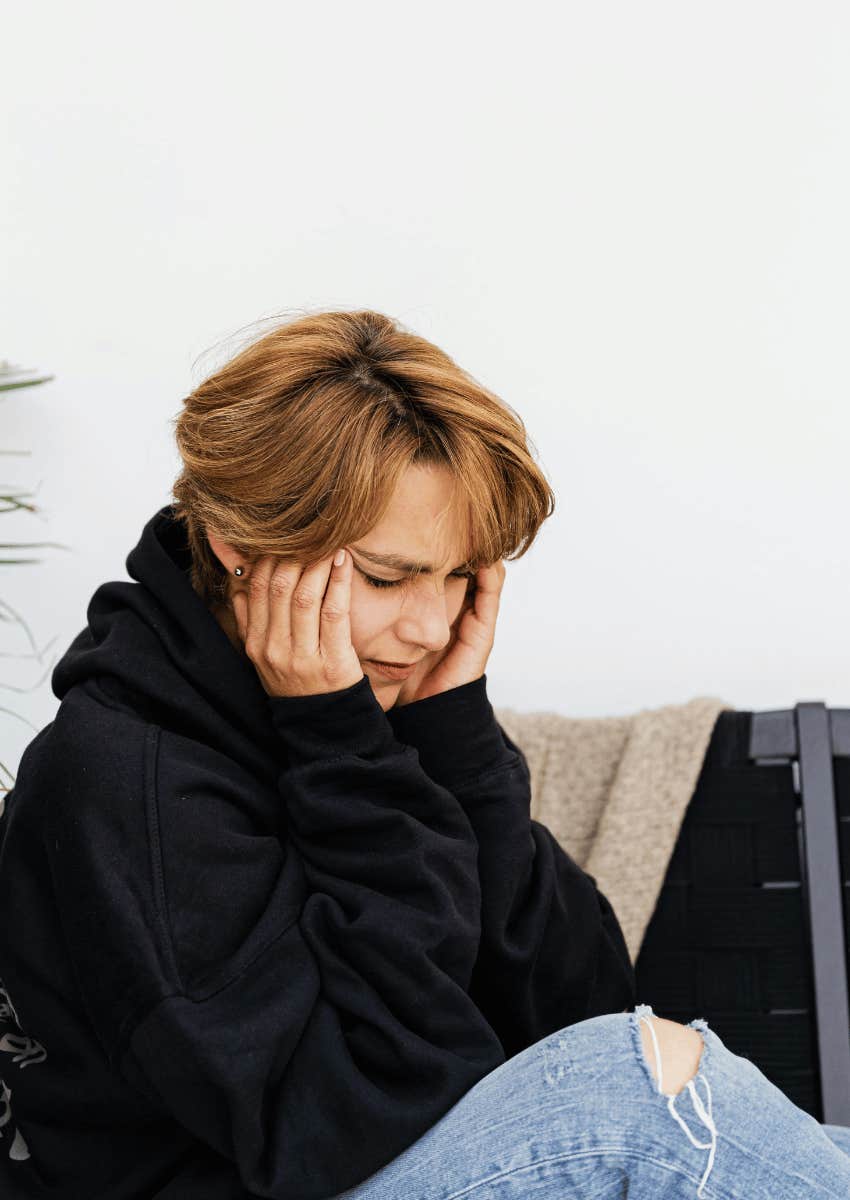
[(397, 562)]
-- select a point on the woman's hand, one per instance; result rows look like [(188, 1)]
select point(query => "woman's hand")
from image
[(464, 659), (295, 626)]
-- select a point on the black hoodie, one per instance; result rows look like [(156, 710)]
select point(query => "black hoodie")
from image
[(257, 946)]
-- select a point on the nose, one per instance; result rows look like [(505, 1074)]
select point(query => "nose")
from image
[(424, 620)]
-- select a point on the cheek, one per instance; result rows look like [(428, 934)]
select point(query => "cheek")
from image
[(368, 619)]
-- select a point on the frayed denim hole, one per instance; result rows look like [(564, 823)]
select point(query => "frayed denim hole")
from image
[(556, 1058), (577, 1054), (701, 1027), (699, 1024), (642, 1010)]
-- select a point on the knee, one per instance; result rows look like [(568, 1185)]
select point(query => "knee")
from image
[(680, 1048)]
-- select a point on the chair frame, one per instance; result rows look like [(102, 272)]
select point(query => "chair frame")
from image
[(810, 735)]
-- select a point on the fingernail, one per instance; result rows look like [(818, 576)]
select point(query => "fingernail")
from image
[(339, 558)]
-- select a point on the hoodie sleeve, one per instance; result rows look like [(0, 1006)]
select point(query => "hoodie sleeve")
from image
[(339, 1029), (552, 951)]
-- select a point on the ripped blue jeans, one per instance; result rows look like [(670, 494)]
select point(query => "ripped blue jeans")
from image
[(580, 1114)]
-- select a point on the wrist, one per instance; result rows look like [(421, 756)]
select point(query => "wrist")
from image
[(455, 733)]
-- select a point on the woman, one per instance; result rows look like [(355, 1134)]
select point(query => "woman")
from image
[(276, 919)]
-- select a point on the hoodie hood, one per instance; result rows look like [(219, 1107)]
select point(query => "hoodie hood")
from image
[(154, 648)]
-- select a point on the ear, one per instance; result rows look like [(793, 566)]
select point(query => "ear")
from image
[(225, 553)]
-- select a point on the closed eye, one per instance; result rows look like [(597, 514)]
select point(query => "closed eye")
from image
[(388, 583)]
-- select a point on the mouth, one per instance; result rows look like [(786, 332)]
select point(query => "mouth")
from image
[(393, 670)]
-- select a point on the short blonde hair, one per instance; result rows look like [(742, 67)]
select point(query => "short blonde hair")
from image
[(294, 447)]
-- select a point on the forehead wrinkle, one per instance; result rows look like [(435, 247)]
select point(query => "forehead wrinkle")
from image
[(398, 562)]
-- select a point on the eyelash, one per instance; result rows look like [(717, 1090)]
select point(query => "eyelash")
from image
[(388, 583)]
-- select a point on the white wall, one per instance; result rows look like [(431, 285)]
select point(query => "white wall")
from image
[(630, 220)]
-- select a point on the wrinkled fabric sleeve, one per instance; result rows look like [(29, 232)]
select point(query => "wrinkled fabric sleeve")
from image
[(348, 1030), (552, 951)]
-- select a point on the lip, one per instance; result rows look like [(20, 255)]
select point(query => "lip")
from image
[(392, 672)]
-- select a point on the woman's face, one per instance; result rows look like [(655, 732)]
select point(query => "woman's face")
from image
[(395, 619)]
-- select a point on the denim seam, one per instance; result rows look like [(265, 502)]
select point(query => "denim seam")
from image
[(618, 1148)]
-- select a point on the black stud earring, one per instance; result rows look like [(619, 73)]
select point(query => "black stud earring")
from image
[(237, 571)]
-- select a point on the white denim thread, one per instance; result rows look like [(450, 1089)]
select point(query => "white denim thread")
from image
[(699, 1108)]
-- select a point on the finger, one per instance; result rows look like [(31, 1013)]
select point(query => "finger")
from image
[(256, 602), (306, 606), (276, 603), (335, 620), (488, 591)]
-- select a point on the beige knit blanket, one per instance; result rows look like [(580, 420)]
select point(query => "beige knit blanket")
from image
[(614, 791)]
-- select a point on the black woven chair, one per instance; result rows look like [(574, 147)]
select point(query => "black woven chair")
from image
[(750, 926)]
